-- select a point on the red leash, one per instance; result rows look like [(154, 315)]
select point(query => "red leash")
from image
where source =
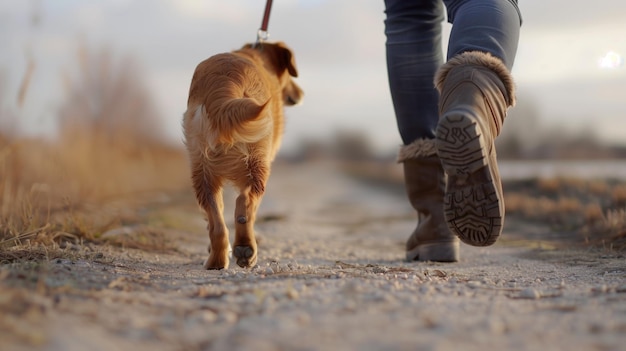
[(262, 34)]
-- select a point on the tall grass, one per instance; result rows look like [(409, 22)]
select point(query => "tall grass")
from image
[(109, 148), (593, 210)]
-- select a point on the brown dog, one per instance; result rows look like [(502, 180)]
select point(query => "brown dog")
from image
[(233, 127)]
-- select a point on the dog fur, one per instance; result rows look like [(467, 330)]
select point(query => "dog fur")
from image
[(233, 127)]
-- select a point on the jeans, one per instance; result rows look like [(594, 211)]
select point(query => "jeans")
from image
[(414, 51)]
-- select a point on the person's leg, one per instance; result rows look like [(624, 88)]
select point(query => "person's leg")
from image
[(476, 89), (414, 54), (490, 26)]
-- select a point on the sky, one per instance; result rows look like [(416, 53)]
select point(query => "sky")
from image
[(569, 64)]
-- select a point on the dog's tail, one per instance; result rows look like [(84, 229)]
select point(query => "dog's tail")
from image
[(236, 120)]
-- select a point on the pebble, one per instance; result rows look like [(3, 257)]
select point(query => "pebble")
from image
[(474, 284), (529, 293), (292, 293), (208, 316)]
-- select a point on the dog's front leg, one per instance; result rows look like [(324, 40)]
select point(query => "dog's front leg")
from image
[(245, 248)]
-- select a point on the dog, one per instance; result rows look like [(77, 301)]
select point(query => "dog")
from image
[(233, 128)]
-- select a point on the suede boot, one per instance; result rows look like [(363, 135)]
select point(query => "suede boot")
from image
[(475, 90), (425, 182)]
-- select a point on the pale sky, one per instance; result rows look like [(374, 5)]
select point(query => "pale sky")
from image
[(340, 52)]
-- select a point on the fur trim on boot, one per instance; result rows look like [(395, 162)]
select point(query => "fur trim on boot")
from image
[(417, 149), (483, 59)]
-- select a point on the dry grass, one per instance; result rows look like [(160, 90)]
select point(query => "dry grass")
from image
[(593, 209), (71, 191), (609, 231), (543, 208), (108, 156)]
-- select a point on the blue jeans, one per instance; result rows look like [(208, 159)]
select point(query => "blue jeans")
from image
[(414, 52)]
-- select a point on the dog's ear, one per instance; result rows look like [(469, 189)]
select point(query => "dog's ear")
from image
[(286, 59), (280, 53)]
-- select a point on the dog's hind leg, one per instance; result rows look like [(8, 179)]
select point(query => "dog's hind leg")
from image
[(219, 248), (248, 201), (245, 248), (209, 196)]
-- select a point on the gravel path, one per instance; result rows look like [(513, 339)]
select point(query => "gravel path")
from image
[(331, 276)]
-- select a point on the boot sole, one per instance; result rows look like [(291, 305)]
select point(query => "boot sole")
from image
[(472, 202)]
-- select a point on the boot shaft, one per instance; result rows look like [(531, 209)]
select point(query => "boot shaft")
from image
[(477, 90), (425, 182), (424, 177), (478, 83)]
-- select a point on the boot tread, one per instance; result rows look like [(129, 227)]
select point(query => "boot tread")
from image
[(472, 201)]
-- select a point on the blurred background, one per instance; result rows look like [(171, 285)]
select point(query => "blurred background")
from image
[(92, 94), (569, 69)]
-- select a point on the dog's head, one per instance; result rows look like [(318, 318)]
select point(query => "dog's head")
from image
[(280, 58)]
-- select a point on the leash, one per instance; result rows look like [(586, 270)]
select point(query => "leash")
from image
[(262, 33)]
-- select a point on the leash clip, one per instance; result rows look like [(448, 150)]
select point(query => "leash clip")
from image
[(262, 33), (261, 36)]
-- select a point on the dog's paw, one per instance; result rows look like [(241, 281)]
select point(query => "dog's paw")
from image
[(216, 262), (245, 255)]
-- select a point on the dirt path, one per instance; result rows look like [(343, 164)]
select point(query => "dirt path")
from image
[(331, 276)]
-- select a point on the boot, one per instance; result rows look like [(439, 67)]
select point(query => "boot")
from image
[(475, 90), (425, 181)]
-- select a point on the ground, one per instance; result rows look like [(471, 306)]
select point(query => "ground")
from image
[(331, 276)]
